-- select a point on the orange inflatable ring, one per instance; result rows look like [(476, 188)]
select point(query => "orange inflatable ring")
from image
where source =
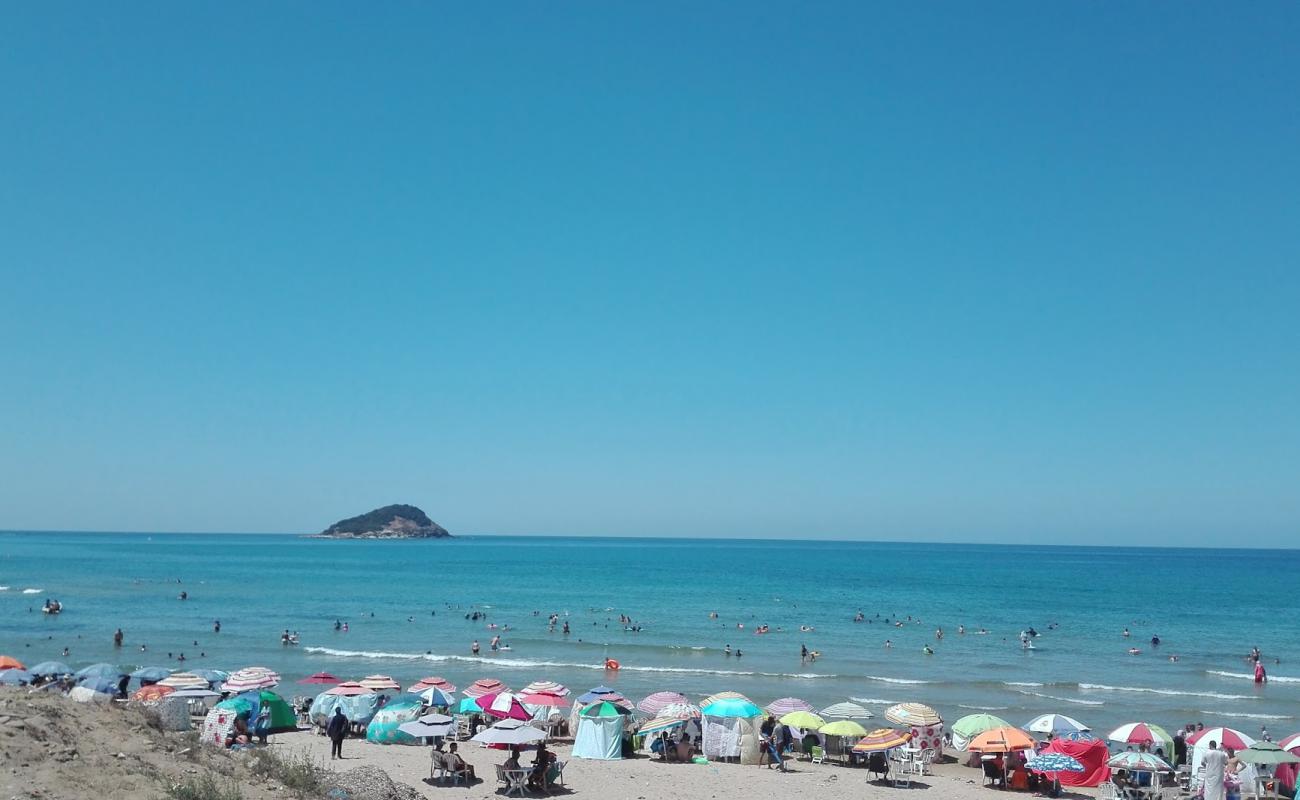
[(611, 664)]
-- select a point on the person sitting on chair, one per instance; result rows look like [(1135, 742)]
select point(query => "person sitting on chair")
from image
[(457, 765), (541, 764)]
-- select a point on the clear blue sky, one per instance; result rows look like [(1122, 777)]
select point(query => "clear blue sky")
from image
[(966, 271)]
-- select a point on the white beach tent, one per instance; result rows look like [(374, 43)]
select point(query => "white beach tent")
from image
[(730, 729)]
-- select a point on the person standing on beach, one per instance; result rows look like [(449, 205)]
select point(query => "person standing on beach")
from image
[(337, 730), (1215, 762)]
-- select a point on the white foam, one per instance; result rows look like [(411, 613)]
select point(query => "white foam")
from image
[(1249, 677), (1101, 687), (984, 708), (4, 588), (1021, 683), (523, 663), (903, 681), (1063, 699), (32, 591), (874, 701), (1243, 716)]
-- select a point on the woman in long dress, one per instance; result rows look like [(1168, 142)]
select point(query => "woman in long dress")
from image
[(1214, 764)]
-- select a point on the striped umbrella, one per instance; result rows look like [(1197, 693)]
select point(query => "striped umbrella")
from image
[(1055, 725), (1143, 733), (613, 697), (1136, 760), (379, 683), (656, 702), (596, 693), (604, 709), (152, 692), (1226, 737), (680, 711), (660, 724), (1001, 740), (250, 679), (183, 680), (348, 689), (433, 680), (1291, 742), (484, 686), (1054, 763), (713, 698), (913, 714), (882, 739), (787, 704), (546, 687), (434, 696), (503, 705), (845, 711)]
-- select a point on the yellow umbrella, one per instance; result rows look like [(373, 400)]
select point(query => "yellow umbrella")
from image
[(803, 719), (842, 727)]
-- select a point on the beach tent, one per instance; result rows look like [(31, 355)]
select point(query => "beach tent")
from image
[(217, 726), (385, 728), (173, 713), (600, 732), (1091, 753), (729, 728), (282, 717), (359, 709), (84, 695)]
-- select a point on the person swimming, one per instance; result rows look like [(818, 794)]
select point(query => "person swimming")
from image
[(927, 650)]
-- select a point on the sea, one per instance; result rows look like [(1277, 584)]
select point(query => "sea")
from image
[(408, 607)]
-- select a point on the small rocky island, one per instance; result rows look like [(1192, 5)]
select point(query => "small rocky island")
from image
[(389, 522)]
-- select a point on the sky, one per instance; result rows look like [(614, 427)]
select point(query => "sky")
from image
[(978, 272)]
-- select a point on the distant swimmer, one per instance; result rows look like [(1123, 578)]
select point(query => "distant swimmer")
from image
[(888, 643), (473, 648), (185, 595), (1155, 640), (806, 628), (927, 650), (1133, 651), (726, 651), (1260, 675), (961, 630), (1126, 633), (1173, 658), (938, 633)]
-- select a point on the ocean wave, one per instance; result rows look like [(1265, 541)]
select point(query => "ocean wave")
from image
[(1248, 677), (1243, 716), (523, 663), (983, 708), (1101, 687), (1063, 699), (1021, 683), (4, 588), (902, 681), (874, 701), (32, 591)]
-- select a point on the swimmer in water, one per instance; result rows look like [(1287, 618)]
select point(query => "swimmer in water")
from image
[(888, 643), (1126, 633), (928, 651), (726, 651)]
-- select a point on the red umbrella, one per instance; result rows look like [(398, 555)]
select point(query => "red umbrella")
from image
[(544, 699), (323, 678), (503, 705), (1226, 737), (152, 692), (484, 686), (349, 689)]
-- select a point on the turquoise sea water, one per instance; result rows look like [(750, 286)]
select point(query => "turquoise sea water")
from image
[(405, 604)]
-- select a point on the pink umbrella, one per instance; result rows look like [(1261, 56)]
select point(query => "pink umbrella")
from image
[(321, 678), (785, 705), (656, 702), (349, 689), (484, 686), (504, 705), (432, 682), (543, 699), (1226, 737), (546, 687), (1291, 742)]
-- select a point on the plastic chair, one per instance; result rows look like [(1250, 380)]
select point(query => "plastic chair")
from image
[(818, 754)]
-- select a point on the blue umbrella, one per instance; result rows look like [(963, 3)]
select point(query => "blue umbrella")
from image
[(15, 677), (212, 676), (597, 693), (1054, 762), (103, 685), (50, 669), (153, 674), (100, 671), (437, 697)]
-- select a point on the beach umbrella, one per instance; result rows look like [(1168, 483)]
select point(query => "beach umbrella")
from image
[(603, 709), (598, 693), (154, 691), (972, 725), (100, 685), (429, 725), (380, 683), (150, 674), (194, 693), (548, 700), (1001, 740), (1267, 753), (842, 727), (845, 711), (508, 732), (100, 670), (546, 687), (348, 689), (484, 686), (1054, 725), (653, 704), (434, 696), (212, 676), (1226, 737), (503, 705), (467, 705), (250, 679), (1291, 742), (321, 678), (660, 724), (1054, 763), (15, 677), (713, 698), (731, 707), (882, 739), (1143, 733), (913, 715), (680, 711), (787, 704), (433, 680), (184, 680), (802, 719), (9, 662), (386, 726), (1137, 760), (50, 669)]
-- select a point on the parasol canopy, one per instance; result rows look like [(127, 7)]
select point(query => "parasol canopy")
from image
[(100, 670), (787, 704), (842, 727), (1054, 763), (913, 714), (882, 739), (1267, 753), (433, 680), (731, 707), (183, 680), (1139, 761), (1226, 737), (508, 732), (603, 709), (1143, 733), (348, 689), (1055, 725), (429, 725), (546, 687), (14, 677), (321, 678), (150, 674), (154, 691), (9, 662), (803, 719), (434, 696), (1001, 740), (972, 725), (380, 683), (656, 702), (503, 705), (484, 686), (845, 711), (250, 679), (50, 669)]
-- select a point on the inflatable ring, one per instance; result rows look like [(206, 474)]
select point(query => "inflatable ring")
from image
[(611, 664)]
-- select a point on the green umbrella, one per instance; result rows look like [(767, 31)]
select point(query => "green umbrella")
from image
[(603, 709), (1267, 753), (843, 727), (972, 725)]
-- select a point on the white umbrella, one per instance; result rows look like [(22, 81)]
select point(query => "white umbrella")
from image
[(509, 731), (184, 680), (249, 679), (1055, 725), (429, 725), (844, 711)]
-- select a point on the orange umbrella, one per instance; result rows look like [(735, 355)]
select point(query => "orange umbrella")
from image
[(1001, 740), (152, 692), (9, 662)]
